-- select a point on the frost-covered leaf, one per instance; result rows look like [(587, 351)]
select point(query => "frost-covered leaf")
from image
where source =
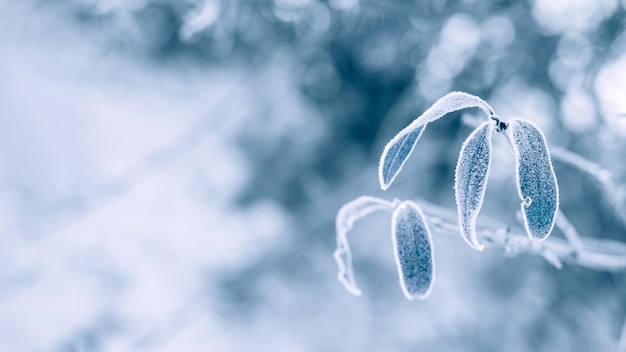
[(346, 217), (472, 171), (400, 147), (395, 154), (413, 250), (536, 181)]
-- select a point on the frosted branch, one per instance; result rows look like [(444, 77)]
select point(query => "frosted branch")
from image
[(570, 232), (347, 216), (603, 255), (612, 191)]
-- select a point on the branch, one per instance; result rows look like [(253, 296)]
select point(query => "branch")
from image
[(604, 255), (570, 232), (613, 192)]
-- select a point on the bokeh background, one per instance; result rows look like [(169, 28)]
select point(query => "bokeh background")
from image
[(170, 171)]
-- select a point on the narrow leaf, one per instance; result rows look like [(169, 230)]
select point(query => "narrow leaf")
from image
[(400, 147), (536, 181), (413, 250), (470, 183), (346, 217), (395, 154)]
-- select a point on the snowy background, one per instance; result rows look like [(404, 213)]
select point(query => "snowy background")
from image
[(170, 171)]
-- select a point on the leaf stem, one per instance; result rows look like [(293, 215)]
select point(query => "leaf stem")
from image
[(501, 126)]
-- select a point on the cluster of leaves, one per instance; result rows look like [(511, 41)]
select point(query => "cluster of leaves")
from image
[(536, 184)]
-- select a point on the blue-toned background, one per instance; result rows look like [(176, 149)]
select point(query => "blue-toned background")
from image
[(170, 172)]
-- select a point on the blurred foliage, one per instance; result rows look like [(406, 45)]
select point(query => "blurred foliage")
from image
[(356, 61), (357, 71)]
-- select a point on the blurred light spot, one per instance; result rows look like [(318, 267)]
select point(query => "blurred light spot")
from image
[(610, 89), (578, 111), (574, 52), (433, 87), (498, 31), (315, 21), (344, 4), (286, 4), (565, 76), (559, 16), (379, 52), (200, 19), (287, 116), (442, 65), (268, 219), (457, 44), (460, 34), (517, 100), (322, 80), (290, 10)]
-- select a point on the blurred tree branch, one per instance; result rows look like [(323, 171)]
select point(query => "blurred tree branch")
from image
[(613, 192), (66, 210)]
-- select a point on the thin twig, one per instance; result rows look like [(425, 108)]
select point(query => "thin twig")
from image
[(570, 232), (612, 191), (65, 211), (603, 255)]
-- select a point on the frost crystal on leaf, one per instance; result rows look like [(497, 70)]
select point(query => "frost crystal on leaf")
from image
[(412, 250), (536, 182), (346, 217), (400, 147), (470, 183)]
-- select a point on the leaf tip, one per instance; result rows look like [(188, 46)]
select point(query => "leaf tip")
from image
[(384, 184), (477, 246)]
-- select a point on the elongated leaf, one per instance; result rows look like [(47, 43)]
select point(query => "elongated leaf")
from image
[(400, 147), (470, 183), (395, 154), (346, 217), (536, 181), (413, 250)]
